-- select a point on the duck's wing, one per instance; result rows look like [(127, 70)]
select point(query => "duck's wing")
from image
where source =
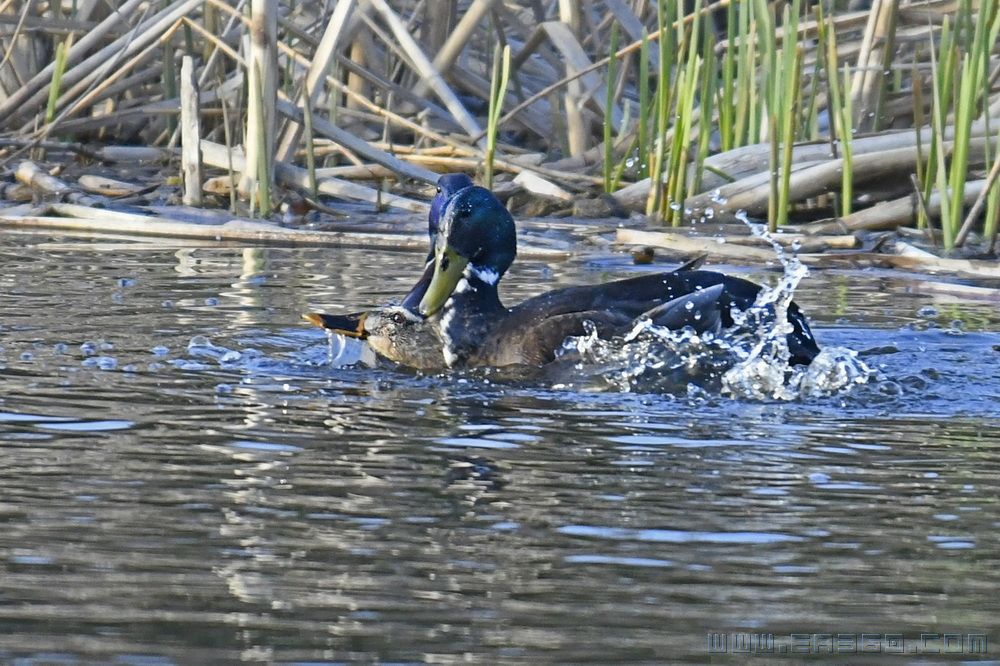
[(617, 304), (699, 310), (692, 264), (631, 297), (742, 294)]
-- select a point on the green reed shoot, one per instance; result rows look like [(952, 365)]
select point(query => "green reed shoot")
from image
[(609, 102), (498, 90), (738, 101), (969, 89), (665, 13), (771, 87), (792, 74), (992, 210), (846, 147), (727, 110), (671, 203), (960, 73), (686, 88), (791, 59), (56, 85), (747, 128), (937, 134), (263, 194), (941, 76), (706, 95), (840, 112), (642, 122)]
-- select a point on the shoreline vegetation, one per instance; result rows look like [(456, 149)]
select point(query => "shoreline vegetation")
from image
[(865, 135)]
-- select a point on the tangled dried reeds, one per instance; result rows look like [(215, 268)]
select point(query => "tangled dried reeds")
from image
[(851, 119)]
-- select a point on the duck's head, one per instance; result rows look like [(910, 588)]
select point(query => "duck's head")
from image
[(394, 332), (476, 239), (448, 186), (404, 337)]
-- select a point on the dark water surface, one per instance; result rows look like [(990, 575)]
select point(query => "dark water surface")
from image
[(160, 504)]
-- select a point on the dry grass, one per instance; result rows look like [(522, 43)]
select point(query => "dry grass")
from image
[(692, 124)]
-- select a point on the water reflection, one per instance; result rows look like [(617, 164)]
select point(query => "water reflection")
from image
[(187, 506)]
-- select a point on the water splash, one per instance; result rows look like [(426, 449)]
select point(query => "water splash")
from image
[(750, 360), (765, 372), (652, 359)]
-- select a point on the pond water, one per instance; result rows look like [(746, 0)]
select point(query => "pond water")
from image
[(241, 499)]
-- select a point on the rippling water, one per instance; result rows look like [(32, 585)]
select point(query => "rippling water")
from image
[(174, 498)]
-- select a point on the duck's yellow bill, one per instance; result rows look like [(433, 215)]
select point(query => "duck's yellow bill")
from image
[(349, 325), (449, 266)]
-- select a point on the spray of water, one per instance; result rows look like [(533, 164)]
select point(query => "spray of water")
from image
[(750, 360)]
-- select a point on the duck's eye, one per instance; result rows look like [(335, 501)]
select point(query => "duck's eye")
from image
[(398, 318), (439, 189)]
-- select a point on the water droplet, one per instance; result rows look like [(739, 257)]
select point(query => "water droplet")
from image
[(27, 356), (230, 356), (199, 341), (127, 282), (88, 348), (211, 301), (927, 312), (167, 305), (159, 350)]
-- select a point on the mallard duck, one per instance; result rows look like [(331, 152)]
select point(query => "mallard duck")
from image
[(476, 245), (352, 325), (398, 334)]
